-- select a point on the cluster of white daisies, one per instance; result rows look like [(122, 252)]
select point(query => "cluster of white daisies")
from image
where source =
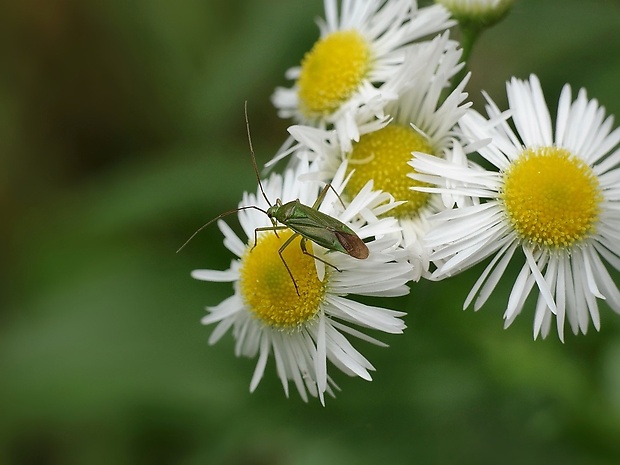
[(380, 114)]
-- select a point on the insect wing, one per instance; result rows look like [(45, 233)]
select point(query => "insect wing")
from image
[(353, 244), (326, 231)]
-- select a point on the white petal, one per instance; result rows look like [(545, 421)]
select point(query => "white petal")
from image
[(225, 276), (260, 365)]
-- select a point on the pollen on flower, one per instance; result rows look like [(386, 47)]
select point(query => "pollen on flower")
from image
[(332, 71), (551, 197), (267, 288), (383, 156)]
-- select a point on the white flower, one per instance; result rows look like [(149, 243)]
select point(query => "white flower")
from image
[(420, 121), (302, 329), (553, 202), (340, 80), (485, 12)]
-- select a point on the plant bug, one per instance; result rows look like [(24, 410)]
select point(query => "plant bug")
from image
[(305, 221)]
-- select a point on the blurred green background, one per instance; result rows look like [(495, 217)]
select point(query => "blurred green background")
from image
[(121, 131)]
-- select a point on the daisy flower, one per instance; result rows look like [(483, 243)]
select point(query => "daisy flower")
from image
[(483, 12), (474, 16), (305, 323), (551, 202), (358, 50), (419, 122)]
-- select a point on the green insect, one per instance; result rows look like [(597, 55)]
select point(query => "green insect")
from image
[(305, 221)]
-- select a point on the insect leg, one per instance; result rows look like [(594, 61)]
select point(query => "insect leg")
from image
[(267, 228), (322, 195), (302, 244), (280, 250)]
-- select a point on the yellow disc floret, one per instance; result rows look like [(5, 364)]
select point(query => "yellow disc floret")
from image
[(383, 156), (267, 287), (332, 71), (552, 198)]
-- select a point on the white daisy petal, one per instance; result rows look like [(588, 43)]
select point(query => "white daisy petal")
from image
[(420, 121), (280, 367), (221, 329), (358, 334), (321, 358), (231, 240), (224, 310), (568, 240), (561, 298), (545, 292), (342, 350), (520, 291), (484, 12), (368, 316), (280, 306), (260, 365), (505, 254), (375, 34), (216, 275)]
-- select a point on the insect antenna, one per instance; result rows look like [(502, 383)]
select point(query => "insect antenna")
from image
[(247, 125), (222, 215)]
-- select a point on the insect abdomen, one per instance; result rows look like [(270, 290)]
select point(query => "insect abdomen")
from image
[(352, 244)]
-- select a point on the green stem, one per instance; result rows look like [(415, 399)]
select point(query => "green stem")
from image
[(470, 33), (469, 36)]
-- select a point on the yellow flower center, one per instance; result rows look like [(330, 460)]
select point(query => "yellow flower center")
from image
[(551, 197), (382, 156), (267, 287), (332, 71)]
